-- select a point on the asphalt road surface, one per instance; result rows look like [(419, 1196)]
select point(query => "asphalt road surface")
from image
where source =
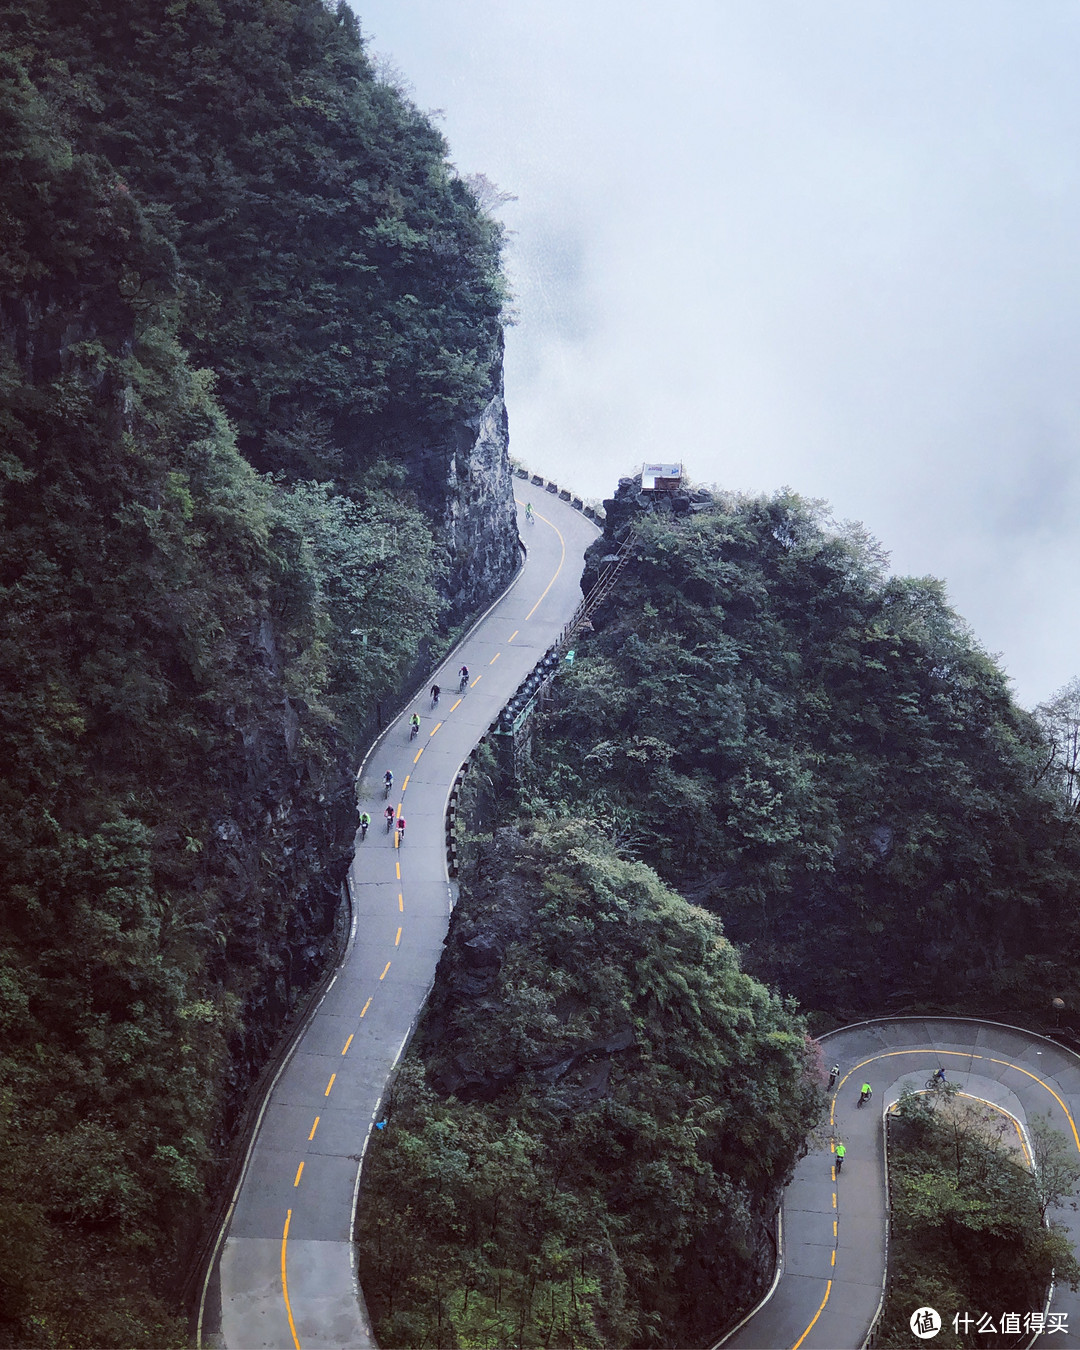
[(834, 1230), (286, 1273)]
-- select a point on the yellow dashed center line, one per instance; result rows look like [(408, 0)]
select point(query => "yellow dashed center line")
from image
[(454, 705), (285, 1282), (299, 1174), (401, 903), (833, 1261), (314, 1127), (494, 658), (513, 635), (437, 725), (834, 1199), (397, 940), (399, 871), (385, 969), (330, 1085), (477, 680), (345, 1051), (418, 754), (366, 1006), (405, 784)]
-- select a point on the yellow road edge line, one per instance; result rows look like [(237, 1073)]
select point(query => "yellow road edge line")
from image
[(314, 1127), (330, 1085), (366, 1006), (285, 1282), (398, 938), (385, 969), (345, 1051), (809, 1329), (558, 569), (299, 1174)]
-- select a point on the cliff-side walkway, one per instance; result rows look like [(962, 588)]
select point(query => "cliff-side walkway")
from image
[(287, 1268)]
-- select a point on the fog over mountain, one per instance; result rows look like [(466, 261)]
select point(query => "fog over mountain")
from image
[(825, 245)]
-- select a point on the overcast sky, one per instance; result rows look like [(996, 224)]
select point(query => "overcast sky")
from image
[(828, 245)]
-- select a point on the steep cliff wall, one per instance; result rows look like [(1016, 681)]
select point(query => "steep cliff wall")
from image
[(189, 652), (470, 475)]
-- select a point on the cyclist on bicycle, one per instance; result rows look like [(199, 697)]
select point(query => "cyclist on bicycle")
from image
[(388, 816), (463, 678), (939, 1077), (401, 829), (414, 725), (388, 781), (866, 1093), (528, 512), (435, 692), (365, 821)]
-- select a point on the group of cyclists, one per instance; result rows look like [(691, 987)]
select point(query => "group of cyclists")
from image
[(935, 1083), (436, 692), (393, 820)]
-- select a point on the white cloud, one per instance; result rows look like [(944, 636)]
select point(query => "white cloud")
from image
[(831, 245)]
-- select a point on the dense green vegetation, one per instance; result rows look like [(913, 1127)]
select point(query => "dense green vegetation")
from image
[(822, 755), (337, 275), (624, 1103), (249, 316), (189, 650), (967, 1231)]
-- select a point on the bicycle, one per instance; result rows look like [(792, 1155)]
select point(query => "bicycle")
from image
[(463, 681), (530, 519), (388, 816), (936, 1084), (388, 787), (365, 821), (400, 833), (414, 728), (435, 692)]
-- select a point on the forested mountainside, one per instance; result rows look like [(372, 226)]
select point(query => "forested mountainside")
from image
[(335, 273), (763, 740), (589, 1137), (823, 756), (249, 417)]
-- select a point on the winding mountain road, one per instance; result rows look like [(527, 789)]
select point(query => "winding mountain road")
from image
[(834, 1228), (285, 1276)]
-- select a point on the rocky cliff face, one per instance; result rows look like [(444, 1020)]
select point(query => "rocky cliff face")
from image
[(466, 483)]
